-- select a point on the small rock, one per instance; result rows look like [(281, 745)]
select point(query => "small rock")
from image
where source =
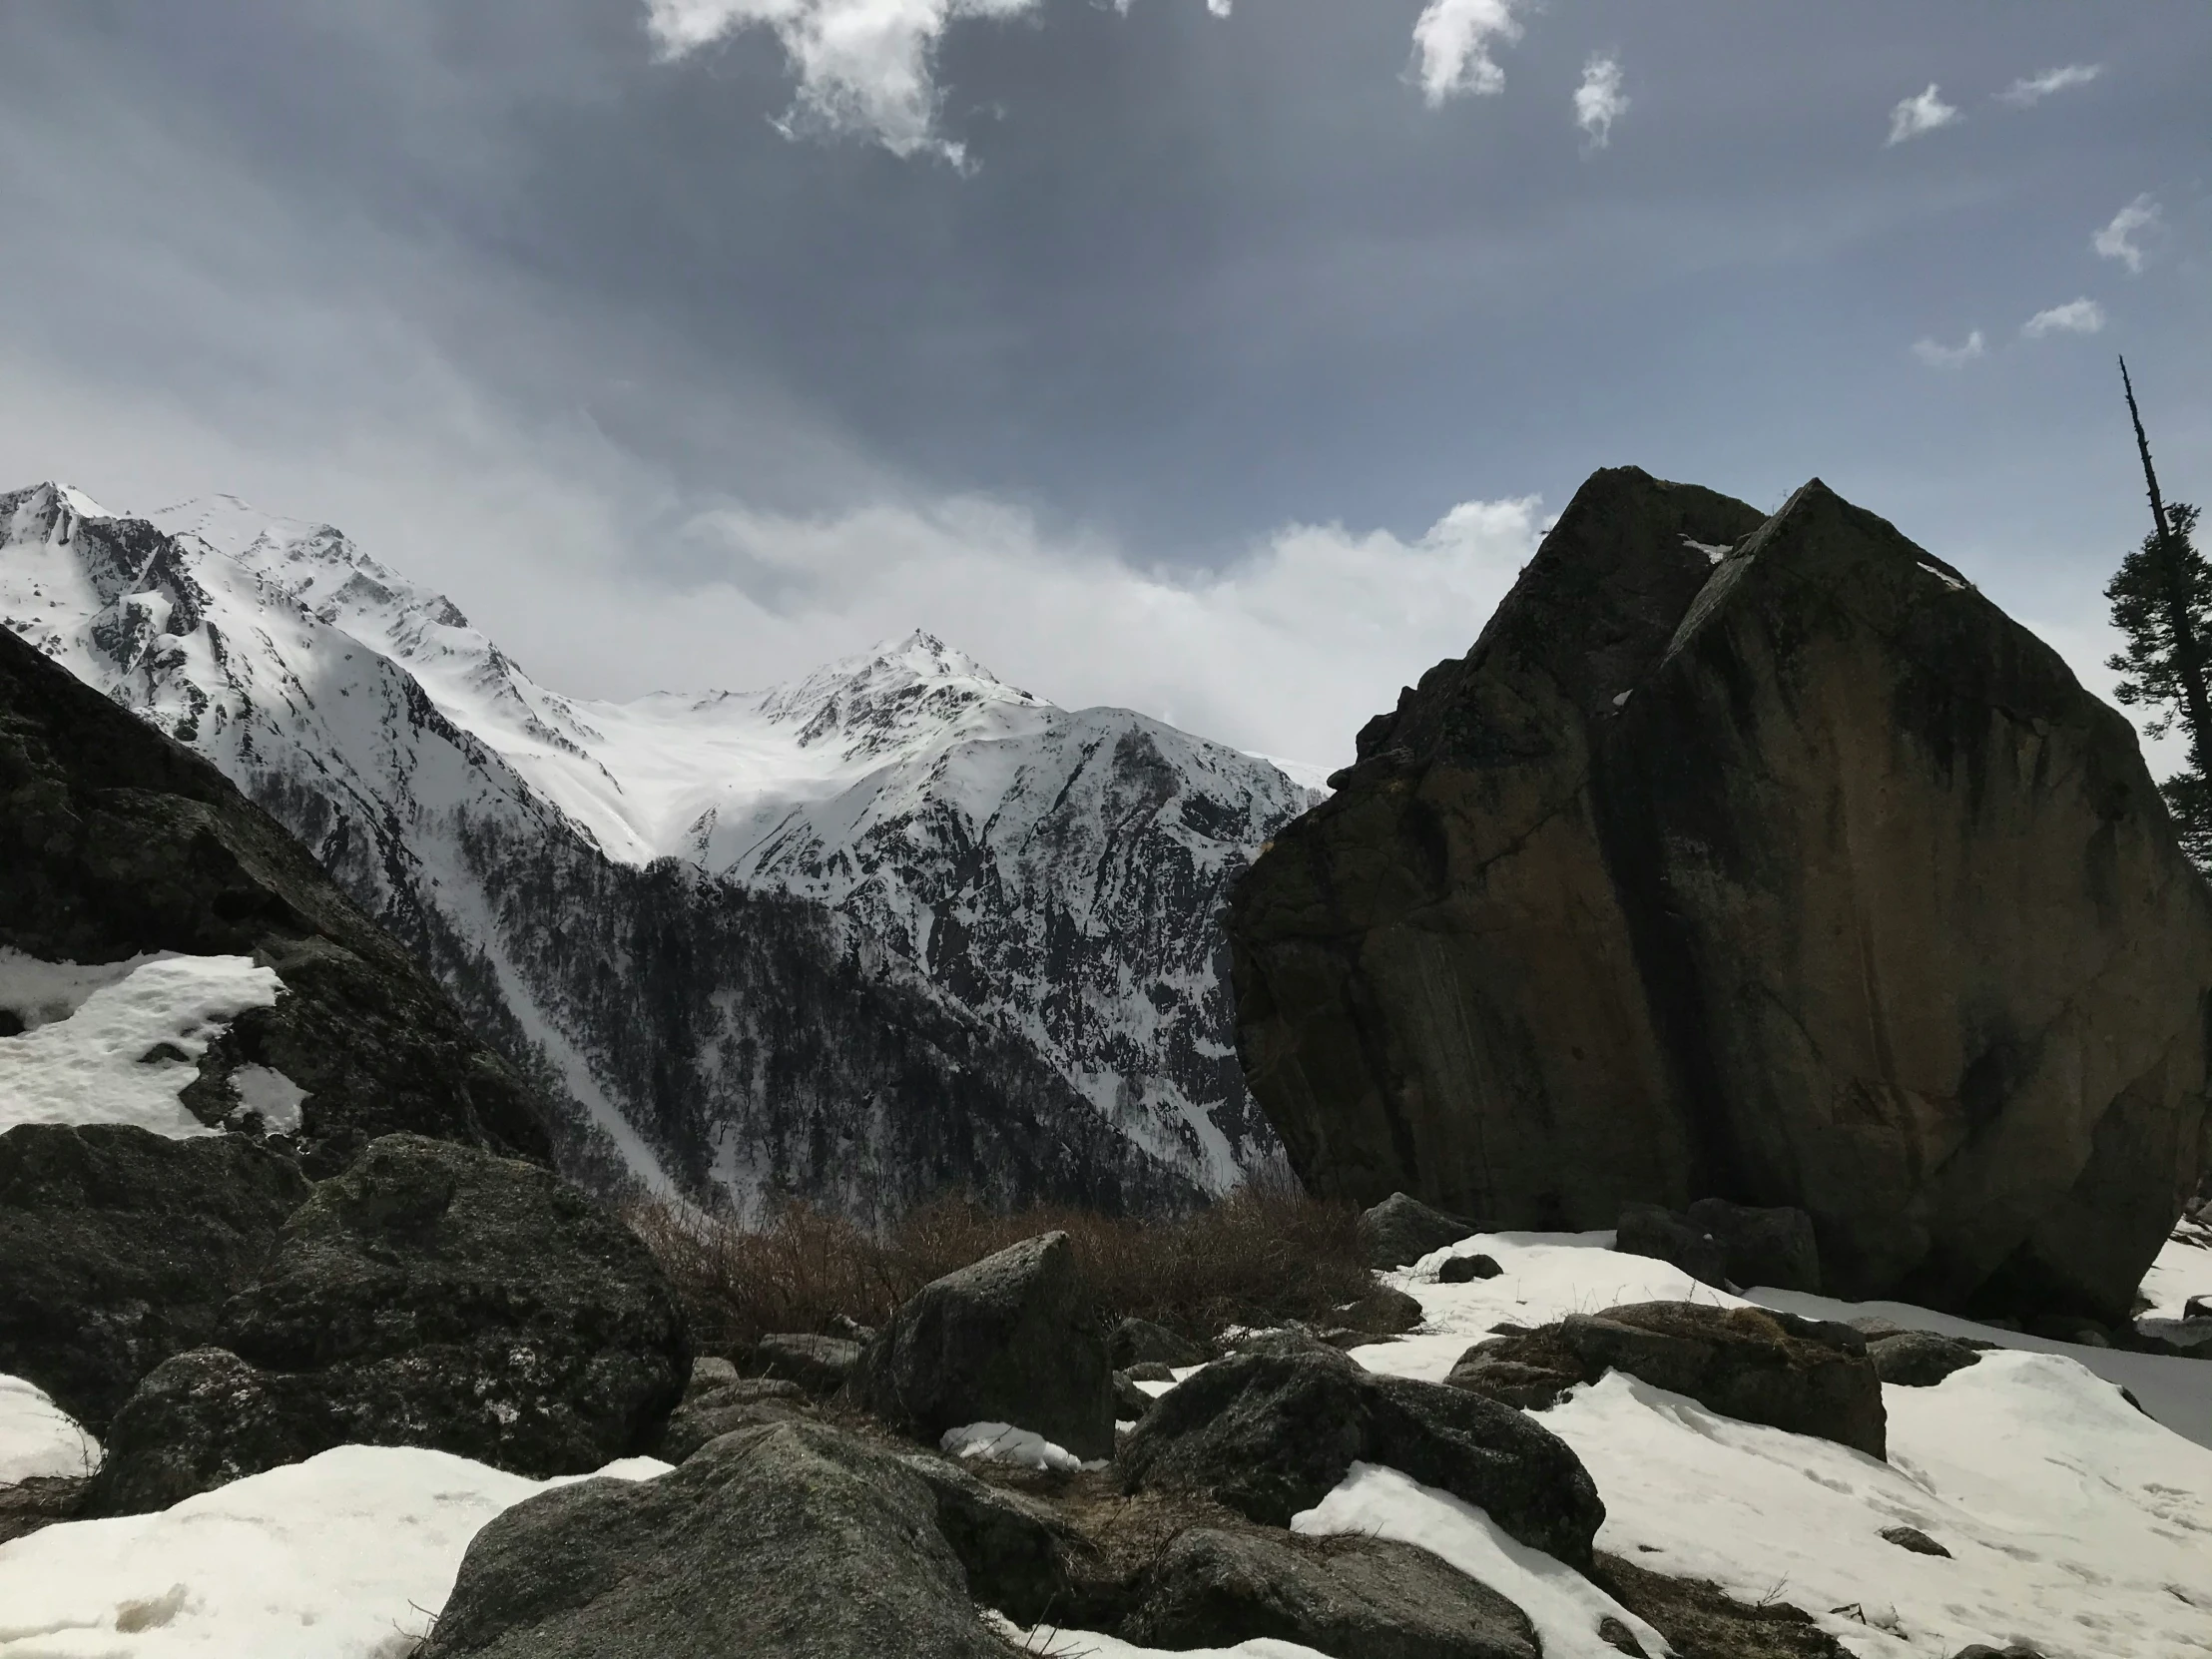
[(1402, 1230), (1384, 1311), (2011, 1650), (694, 1424), (1151, 1370), (820, 1364), (1130, 1402), (1140, 1342), (851, 1329), (1216, 1589), (1619, 1637), (1268, 1435), (2069, 1327), (707, 1372), (2197, 1308), (1281, 1340), (1012, 1338), (1461, 1270), (1914, 1539), (1917, 1359)]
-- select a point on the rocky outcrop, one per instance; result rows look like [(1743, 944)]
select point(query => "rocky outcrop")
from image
[(1917, 1359), (793, 1539), (1808, 1377), (1268, 1435), (119, 841), (1012, 1338), (119, 1248), (1765, 860), (1400, 1230), (430, 1295), (1358, 1598)]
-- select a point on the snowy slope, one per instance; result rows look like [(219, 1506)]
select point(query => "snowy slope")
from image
[(1052, 877)]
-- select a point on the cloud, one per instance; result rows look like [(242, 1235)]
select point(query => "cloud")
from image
[(2075, 316), (1451, 47), (2117, 239), (2030, 90), (1950, 357), (1287, 651), (1598, 101), (863, 66), (1923, 113)]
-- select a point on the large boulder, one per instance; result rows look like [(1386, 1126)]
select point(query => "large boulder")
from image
[(795, 1540), (120, 1246), (430, 1296), (1809, 1376), (1271, 1435), (1015, 1337), (1402, 1230), (1352, 1599), (118, 841), (1765, 860)]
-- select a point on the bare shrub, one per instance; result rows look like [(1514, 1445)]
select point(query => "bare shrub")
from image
[(1265, 1254)]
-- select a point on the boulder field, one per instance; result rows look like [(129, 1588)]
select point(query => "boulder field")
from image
[(1749, 858)]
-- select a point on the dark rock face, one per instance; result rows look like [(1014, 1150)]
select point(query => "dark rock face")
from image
[(1270, 1435), (1140, 1341), (794, 1540), (1805, 1375), (1013, 1339), (1402, 1230), (1727, 1245), (1354, 1599), (119, 1248), (1917, 1359), (1766, 861), (1020, 1557), (118, 840), (430, 1296)]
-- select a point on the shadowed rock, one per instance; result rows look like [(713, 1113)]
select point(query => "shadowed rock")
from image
[(1400, 1230), (1761, 861)]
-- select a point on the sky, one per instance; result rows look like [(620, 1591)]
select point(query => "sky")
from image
[(1218, 358)]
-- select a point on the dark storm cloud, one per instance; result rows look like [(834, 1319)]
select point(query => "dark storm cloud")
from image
[(504, 283)]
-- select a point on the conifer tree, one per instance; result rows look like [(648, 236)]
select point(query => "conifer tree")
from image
[(2162, 604)]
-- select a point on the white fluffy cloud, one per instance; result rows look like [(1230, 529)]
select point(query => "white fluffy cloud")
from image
[(1936, 355), (1922, 113), (2118, 240), (2075, 316), (1599, 101), (2030, 90), (1286, 652), (1451, 46)]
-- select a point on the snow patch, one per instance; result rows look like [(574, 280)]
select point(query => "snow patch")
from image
[(274, 1096), (1565, 1607), (1002, 1442), (1714, 551), (349, 1555), (127, 1048), (1944, 575), (2183, 1270), (38, 1439)]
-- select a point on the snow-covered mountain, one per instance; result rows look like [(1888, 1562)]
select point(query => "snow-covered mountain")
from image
[(633, 893)]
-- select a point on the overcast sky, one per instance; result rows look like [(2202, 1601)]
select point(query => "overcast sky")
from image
[(1220, 358)]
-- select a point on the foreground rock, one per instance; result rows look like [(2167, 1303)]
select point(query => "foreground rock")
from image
[(1400, 1230), (119, 1248), (430, 1296), (1350, 1598), (1268, 1435), (1918, 1359), (1012, 1338), (1765, 860), (117, 841), (794, 1540), (1805, 1375)]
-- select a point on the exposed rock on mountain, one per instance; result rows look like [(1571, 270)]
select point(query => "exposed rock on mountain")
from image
[(1020, 901), (1762, 861), (119, 843), (429, 1296), (119, 1248)]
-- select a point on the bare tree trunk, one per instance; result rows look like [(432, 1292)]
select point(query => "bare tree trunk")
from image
[(2188, 656)]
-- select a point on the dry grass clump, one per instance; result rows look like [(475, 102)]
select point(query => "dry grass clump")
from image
[(1263, 1255)]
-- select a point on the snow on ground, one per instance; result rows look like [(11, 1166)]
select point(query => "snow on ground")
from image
[(1565, 1607), (2183, 1270), (115, 1044), (349, 1555), (1002, 1442), (39, 1439), (2077, 1523), (1051, 1642)]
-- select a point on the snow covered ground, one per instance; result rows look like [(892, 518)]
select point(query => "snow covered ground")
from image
[(115, 1043), (349, 1555), (38, 1439), (2183, 1270)]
